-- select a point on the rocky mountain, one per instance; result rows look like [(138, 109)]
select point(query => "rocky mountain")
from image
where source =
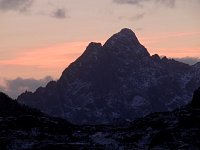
[(116, 81), (23, 128)]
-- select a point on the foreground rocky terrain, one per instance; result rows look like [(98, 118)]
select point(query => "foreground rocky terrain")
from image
[(24, 128), (116, 81)]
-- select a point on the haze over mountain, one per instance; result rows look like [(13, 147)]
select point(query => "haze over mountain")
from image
[(188, 60), (116, 81)]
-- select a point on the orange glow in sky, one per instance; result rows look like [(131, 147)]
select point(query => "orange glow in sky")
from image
[(36, 43), (55, 59)]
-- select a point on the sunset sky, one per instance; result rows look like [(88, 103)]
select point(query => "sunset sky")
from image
[(40, 38)]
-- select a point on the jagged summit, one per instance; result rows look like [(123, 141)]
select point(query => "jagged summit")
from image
[(155, 57), (128, 33), (125, 42), (120, 45), (125, 36)]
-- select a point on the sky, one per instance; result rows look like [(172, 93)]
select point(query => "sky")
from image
[(40, 38)]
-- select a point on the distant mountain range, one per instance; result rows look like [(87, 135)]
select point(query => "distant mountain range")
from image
[(24, 128), (116, 82)]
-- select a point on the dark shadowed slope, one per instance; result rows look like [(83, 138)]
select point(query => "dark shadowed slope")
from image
[(22, 127), (29, 129), (116, 81), (9, 107)]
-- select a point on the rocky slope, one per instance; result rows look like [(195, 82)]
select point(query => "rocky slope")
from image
[(23, 128), (116, 81)]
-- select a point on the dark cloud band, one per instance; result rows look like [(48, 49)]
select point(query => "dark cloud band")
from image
[(19, 5), (60, 13), (168, 3), (28, 6), (19, 85)]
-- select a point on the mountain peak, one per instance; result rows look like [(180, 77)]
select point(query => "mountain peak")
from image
[(93, 48), (127, 32), (125, 36), (93, 45), (126, 42)]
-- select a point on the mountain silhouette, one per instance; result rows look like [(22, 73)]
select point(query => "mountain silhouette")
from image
[(119, 80)]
